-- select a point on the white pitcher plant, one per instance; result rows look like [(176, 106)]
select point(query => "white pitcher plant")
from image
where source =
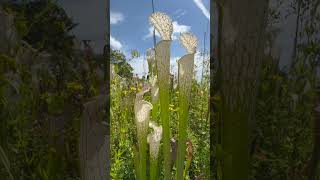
[(163, 24), (142, 111), (154, 143), (185, 75), (159, 72)]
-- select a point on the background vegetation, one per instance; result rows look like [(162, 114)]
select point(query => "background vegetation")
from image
[(44, 81), (123, 135)]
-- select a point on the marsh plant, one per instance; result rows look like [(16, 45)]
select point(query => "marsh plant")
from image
[(147, 114)]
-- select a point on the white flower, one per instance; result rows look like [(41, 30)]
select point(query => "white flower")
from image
[(154, 139), (189, 42), (163, 24)]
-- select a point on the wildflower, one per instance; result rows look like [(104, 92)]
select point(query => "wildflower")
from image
[(132, 88)]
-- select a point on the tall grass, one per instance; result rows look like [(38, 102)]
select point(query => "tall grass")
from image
[(5, 162)]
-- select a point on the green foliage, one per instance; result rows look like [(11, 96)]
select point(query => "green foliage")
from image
[(43, 24), (41, 107), (284, 116), (122, 67)]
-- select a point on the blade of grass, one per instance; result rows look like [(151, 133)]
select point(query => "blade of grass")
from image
[(5, 162)]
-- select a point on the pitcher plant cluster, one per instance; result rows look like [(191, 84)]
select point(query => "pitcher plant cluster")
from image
[(152, 118)]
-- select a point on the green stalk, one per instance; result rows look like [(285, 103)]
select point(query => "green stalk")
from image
[(182, 137), (143, 158), (164, 116), (155, 111), (163, 69), (186, 168), (136, 163), (153, 169), (5, 162)]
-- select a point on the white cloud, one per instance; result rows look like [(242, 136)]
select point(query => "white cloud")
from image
[(174, 65), (201, 6), (116, 17), (114, 43), (140, 66), (179, 13), (199, 61), (177, 29), (150, 34)]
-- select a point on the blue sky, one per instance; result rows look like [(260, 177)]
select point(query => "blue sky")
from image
[(130, 28), (130, 24)]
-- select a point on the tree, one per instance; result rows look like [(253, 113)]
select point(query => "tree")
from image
[(124, 69), (43, 24)]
